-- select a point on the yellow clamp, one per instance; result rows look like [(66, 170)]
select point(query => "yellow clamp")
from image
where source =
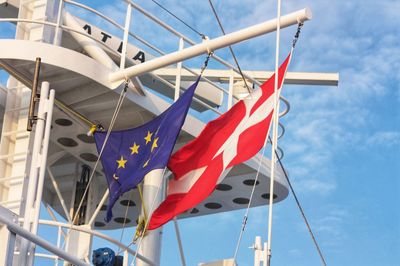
[(92, 130), (141, 223)]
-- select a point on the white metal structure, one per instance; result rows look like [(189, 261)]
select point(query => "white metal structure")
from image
[(83, 64)]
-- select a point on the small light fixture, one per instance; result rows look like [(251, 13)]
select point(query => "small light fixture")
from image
[(240, 90)]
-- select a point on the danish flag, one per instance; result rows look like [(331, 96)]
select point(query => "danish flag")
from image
[(233, 138)]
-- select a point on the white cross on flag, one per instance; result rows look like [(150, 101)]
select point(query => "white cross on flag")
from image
[(233, 138)]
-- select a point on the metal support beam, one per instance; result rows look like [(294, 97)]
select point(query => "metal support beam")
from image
[(32, 187), (12, 217), (97, 53), (211, 45), (98, 209), (59, 195), (13, 227), (223, 76), (24, 80)]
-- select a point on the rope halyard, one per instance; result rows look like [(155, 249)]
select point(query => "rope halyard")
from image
[(230, 47), (296, 36), (142, 220), (205, 64), (301, 211), (181, 20), (124, 224), (146, 222), (246, 215), (112, 122)]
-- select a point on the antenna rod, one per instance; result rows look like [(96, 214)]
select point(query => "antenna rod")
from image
[(34, 95)]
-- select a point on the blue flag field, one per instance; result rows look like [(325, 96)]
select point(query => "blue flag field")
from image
[(132, 153)]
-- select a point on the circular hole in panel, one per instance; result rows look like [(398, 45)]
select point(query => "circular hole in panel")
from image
[(90, 157), (213, 205), (223, 187), (67, 142), (85, 138), (194, 211), (63, 122), (121, 220), (99, 224), (127, 202), (241, 200), (250, 182), (266, 196)]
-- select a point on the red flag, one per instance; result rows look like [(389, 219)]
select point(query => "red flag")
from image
[(233, 138)]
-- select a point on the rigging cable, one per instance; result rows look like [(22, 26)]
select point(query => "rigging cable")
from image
[(112, 122), (245, 218), (124, 224), (141, 221), (230, 47), (175, 16), (146, 221), (302, 213)]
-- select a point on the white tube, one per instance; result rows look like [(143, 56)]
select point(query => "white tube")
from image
[(25, 234), (88, 44), (33, 172), (126, 34), (257, 251), (97, 53), (48, 106), (178, 237), (230, 92), (178, 72), (57, 39), (274, 133), (125, 261), (214, 44), (150, 246), (97, 234), (60, 197), (49, 109), (98, 209)]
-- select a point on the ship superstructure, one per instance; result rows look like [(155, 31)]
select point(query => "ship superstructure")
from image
[(78, 63)]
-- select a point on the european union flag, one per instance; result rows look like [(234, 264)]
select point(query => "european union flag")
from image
[(132, 153)]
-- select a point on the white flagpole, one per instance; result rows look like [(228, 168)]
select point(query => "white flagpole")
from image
[(149, 245), (274, 132)]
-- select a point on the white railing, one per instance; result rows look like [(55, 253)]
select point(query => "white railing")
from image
[(14, 229), (180, 38), (125, 250)]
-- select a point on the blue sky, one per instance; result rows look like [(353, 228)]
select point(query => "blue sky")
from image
[(342, 145)]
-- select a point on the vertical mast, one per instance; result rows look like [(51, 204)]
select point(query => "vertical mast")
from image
[(274, 133), (153, 194)]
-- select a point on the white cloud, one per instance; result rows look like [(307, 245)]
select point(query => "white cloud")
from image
[(387, 138), (295, 252), (329, 226), (315, 186)]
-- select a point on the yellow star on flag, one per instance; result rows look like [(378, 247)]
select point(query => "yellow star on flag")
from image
[(134, 148), (154, 144), (121, 162), (148, 137)]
